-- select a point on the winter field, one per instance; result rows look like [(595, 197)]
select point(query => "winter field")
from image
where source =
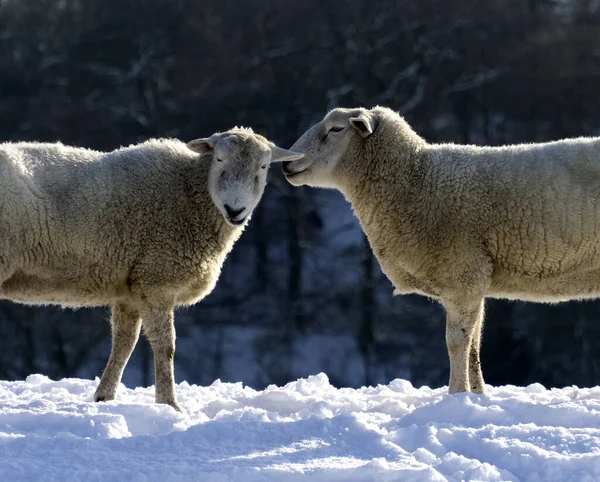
[(306, 430)]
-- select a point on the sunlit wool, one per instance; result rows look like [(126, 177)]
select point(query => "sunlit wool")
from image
[(142, 229), (460, 223)]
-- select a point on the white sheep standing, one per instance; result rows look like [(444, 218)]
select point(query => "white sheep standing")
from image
[(460, 223), (142, 229)]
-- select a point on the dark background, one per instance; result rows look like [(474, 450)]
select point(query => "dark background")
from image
[(301, 292)]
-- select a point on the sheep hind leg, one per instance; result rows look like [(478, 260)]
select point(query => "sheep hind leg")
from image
[(159, 328), (6, 267), (461, 322), (126, 325), (476, 382)]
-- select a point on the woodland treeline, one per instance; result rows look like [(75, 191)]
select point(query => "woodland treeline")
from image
[(301, 292)]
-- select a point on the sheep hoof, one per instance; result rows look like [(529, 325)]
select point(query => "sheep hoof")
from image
[(171, 401), (176, 406), (99, 397)]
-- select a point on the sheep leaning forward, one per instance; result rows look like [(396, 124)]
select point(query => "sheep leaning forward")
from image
[(143, 229), (460, 223)]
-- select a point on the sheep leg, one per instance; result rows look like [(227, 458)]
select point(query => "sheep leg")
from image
[(477, 384), (126, 325), (461, 321), (160, 330)]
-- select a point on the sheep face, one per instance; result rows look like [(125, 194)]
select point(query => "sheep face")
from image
[(238, 173), (326, 144)]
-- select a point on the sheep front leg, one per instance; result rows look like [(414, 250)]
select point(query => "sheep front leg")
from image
[(126, 325), (159, 328), (475, 374), (461, 324)]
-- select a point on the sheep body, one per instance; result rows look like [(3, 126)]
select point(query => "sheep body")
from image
[(143, 229), (460, 223), (86, 228), (527, 215)]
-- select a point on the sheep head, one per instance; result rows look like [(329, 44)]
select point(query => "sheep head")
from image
[(238, 173), (326, 143)]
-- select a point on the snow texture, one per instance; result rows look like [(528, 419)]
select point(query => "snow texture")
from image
[(306, 430)]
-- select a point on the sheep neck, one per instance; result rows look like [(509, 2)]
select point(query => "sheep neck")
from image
[(384, 174), (383, 181)]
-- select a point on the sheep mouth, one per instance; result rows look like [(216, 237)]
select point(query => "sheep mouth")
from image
[(236, 222), (293, 174)]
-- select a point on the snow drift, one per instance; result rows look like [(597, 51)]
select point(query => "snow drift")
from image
[(306, 430)]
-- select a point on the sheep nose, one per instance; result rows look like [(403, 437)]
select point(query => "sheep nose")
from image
[(233, 213), (284, 166)]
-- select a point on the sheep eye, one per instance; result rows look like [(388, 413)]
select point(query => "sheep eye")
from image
[(264, 166), (333, 129), (219, 160)]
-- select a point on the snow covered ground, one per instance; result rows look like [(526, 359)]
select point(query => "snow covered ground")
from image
[(306, 430)]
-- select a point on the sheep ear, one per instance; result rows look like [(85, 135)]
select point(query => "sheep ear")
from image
[(204, 145), (278, 154), (363, 124)]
